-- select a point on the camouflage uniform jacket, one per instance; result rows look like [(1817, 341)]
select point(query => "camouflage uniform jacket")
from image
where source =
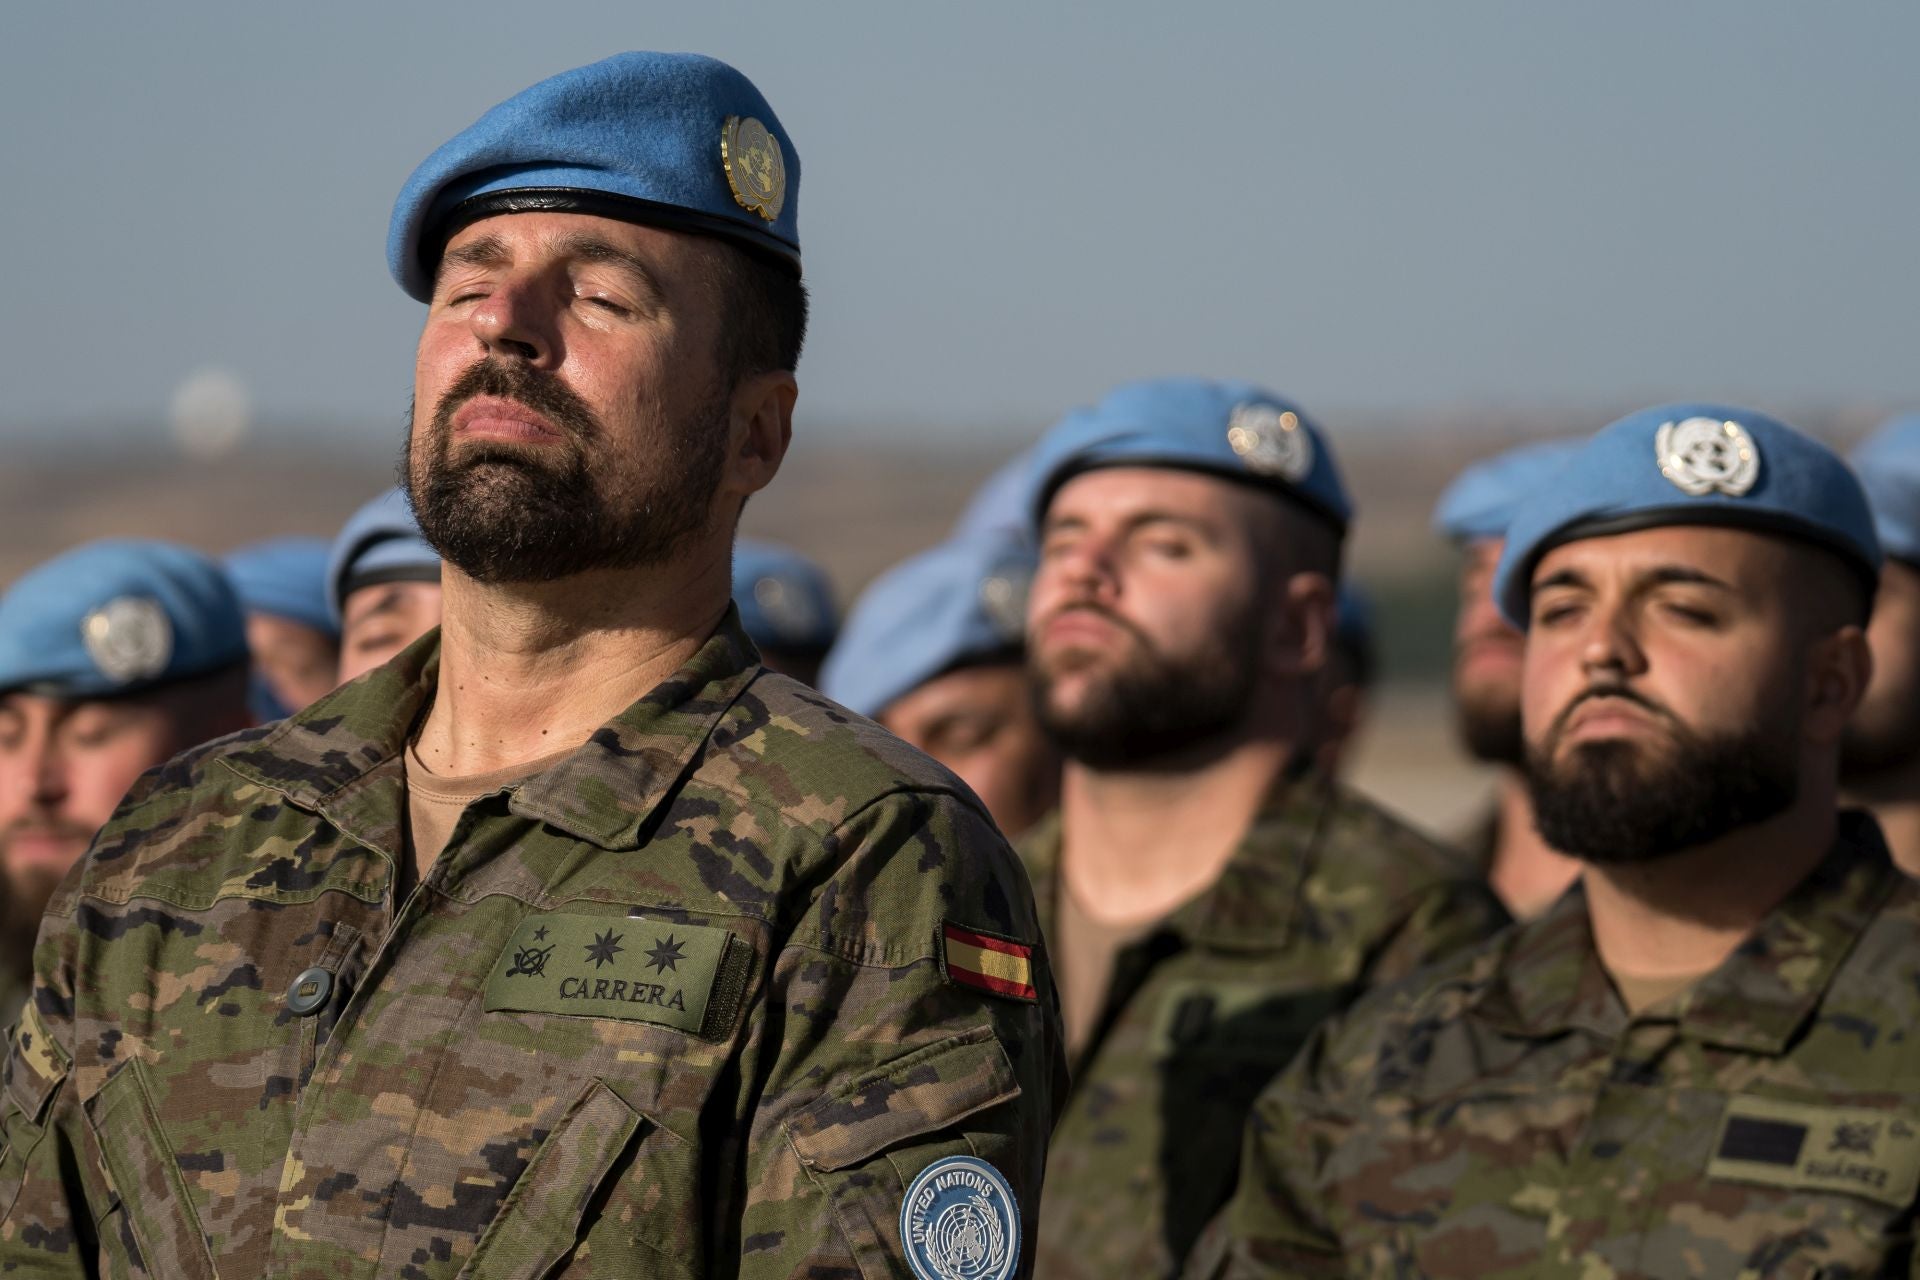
[(1503, 1115), (1325, 896), (680, 1005)]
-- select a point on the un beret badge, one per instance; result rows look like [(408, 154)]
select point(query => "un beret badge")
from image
[(1271, 441), (1003, 598), (789, 608), (128, 638), (756, 170), (1705, 455)]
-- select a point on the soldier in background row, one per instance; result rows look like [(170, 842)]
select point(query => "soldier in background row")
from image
[(383, 584), (1700, 1061), (934, 649), (1473, 513), (1880, 760), (1208, 898), (786, 606), (291, 631), (113, 657), (571, 941)]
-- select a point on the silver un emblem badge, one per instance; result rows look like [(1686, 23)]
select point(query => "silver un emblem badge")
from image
[(1271, 441), (788, 607), (959, 1221), (129, 638), (1003, 598), (1706, 455)]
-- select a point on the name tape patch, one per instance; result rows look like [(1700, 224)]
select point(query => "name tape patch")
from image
[(1000, 966), (959, 1221), (611, 967), (1858, 1151)]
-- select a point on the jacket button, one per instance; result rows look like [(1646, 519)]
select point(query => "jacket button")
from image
[(309, 991)]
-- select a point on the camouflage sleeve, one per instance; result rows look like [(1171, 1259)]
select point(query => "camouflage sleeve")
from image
[(45, 1218), (1275, 1225), (913, 1043), (1445, 919)]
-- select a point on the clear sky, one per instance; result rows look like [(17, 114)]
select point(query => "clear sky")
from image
[(1008, 207)]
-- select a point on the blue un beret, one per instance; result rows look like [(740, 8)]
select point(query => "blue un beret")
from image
[(1888, 464), (961, 603), (785, 599), (666, 139), (286, 577), (379, 543), (1230, 429), (1691, 464), (118, 617), (1004, 502), (1482, 499)]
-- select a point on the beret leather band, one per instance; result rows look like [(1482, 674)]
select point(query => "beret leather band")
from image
[(598, 204)]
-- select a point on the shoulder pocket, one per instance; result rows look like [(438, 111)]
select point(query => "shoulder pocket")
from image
[(543, 1218), (146, 1177), (922, 1092)]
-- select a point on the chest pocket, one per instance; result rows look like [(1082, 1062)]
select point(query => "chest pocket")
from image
[(150, 1207), (609, 1183)]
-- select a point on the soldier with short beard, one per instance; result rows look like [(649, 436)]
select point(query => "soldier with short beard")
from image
[(1207, 895), (1700, 1061), (571, 942), (1473, 513)]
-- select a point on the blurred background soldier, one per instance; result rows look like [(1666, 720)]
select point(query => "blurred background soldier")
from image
[(291, 631), (1208, 899), (786, 605), (1880, 759), (1699, 1062), (935, 650), (1473, 513), (113, 658), (383, 582)]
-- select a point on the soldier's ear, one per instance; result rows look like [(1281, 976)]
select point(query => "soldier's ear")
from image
[(1303, 617), (1839, 665), (759, 429)]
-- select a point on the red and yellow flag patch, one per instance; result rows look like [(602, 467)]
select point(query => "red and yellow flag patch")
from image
[(997, 965)]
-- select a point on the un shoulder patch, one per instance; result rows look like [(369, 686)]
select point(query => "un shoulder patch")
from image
[(959, 1221)]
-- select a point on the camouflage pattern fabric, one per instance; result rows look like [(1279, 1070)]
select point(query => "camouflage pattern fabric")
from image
[(735, 1043), (1503, 1116), (1326, 896)]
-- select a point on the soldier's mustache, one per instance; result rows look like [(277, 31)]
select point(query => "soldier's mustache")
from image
[(535, 389), (1107, 615), (1619, 692)]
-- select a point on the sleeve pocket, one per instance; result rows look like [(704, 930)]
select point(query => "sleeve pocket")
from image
[(146, 1177), (862, 1146), (924, 1091)]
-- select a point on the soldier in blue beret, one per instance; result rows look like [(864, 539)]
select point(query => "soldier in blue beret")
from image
[(383, 584), (113, 657), (1004, 503), (786, 605), (1880, 758), (935, 650), (572, 940), (290, 629), (1699, 1060), (1208, 895), (1473, 513)]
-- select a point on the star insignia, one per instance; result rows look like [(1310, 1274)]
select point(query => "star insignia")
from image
[(604, 948), (666, 955), (540, 934)]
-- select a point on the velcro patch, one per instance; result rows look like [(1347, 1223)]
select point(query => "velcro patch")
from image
[(988, 963), (615, 967), (1858, 1151)]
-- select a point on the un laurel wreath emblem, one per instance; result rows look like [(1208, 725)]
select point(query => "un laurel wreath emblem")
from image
[(1705, 455), (959, 1221), (1271, 441), (756, 169), (128, 638)]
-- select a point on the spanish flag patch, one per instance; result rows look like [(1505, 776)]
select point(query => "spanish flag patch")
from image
[(999, 965)]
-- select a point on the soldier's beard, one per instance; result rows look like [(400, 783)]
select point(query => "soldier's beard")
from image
[(1149, 706), (501, 514), (1619, 802), (26, 888)]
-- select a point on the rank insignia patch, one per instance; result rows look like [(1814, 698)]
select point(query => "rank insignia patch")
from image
[(959, 1221), (997, 965), (686, 976), (1854, 1150)]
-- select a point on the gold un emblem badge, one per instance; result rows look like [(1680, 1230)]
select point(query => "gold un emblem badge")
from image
[(756, 170)]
